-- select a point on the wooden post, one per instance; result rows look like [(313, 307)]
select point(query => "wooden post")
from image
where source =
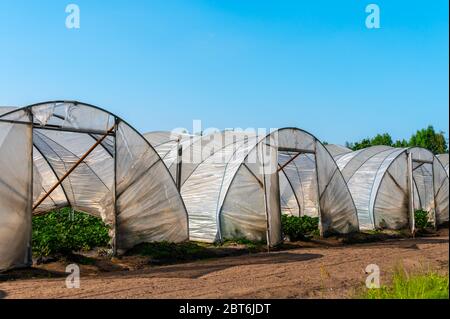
[(31, 192), (271, 191), (114, 240), (434, 196), (288, 162), (179, 164), (261, 158), (412, 224), (319, 211)]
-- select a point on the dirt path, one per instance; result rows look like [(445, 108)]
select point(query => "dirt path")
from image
[(317, 272)]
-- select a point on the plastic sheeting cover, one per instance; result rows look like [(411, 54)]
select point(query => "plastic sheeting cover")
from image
[(147, 207), (224, 193), (15, 195), (336, 150), (443, 158), (378, 181)]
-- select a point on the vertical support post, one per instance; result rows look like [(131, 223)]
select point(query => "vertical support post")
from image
[(31, 192), (179, 164), (114, 241), (411, 194), (319, 211), (271, 187), (260, 156), (434, 195)]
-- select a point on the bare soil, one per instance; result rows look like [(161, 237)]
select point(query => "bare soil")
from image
[(318, 269)]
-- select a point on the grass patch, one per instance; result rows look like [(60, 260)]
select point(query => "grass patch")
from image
[(61, 232), (429, 285), (299, 228)]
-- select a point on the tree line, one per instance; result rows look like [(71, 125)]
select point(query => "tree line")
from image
[(427, 138)]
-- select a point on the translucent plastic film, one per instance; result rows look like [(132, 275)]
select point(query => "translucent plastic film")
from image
[(441, 192), (244, 217), (443, 158), (392, 196), (149, 207), (167, 144), (269, 160), (72, 115), (337, 150), (90, 185), (207, 186), (44, 179), (378, 180), (337, 209), (367, 169), (298, 184), (15, 195), (75, 163), (217, 192)]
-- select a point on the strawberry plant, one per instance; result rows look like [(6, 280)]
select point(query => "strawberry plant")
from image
[(299, 228), (61, 232), (422, 219)]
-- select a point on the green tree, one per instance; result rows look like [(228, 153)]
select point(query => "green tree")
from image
[(426, 138), (429, 139), (382, 139), (401, 143), (379, 139)]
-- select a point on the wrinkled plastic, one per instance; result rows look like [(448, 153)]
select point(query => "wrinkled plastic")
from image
[(131, 189)]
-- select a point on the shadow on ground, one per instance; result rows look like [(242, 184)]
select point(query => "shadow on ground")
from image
[(30, 273), (202, 268), (408, 243)]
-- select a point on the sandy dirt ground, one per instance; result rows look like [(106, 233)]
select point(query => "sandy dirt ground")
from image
[(314, 271)]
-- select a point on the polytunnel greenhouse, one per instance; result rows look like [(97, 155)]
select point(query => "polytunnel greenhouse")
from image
[(237, 184), (169, 146), (58, 154), (389, 184), (444, 160), (336, 150)]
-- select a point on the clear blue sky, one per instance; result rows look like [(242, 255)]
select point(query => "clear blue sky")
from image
[(235, 63)]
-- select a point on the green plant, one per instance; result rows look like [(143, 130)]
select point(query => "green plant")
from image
[(61, 232), (421, 218), (299, 228), (429, 285)]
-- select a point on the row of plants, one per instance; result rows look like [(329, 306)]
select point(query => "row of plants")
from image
[(299, 228), (422, 220), (64, 231)]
